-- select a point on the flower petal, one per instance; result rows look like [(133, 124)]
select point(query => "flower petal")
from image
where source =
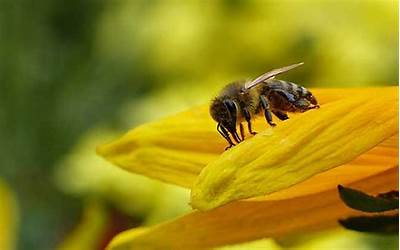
[(299, 148), (175, 149), (8, 217), (243, 221), (89, 232), (376, 160), (356, 199), (120, 240)]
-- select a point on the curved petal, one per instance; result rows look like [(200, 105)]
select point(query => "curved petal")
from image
[(177, 148), (299, 148), (89, 232), (8, 217), (373, 162), (243, 221)]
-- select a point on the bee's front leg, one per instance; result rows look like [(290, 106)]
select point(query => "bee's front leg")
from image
[(235, 136), (225, 134), (267, 112)]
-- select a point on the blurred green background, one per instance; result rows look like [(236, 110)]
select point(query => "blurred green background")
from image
[(77, 73)]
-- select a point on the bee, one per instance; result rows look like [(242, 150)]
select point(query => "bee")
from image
[(240, 101)]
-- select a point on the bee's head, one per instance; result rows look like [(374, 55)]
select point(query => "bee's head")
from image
[(224, 111)]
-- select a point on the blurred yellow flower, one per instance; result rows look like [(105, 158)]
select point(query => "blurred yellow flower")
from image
[(87, 234), (8, 218), (347, 135)]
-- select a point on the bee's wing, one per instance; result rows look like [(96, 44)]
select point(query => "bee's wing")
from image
[(270, 75)]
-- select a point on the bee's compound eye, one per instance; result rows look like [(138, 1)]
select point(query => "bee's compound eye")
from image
[(230, 106), (232, 110)]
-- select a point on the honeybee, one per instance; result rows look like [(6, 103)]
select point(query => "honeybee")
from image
[(240, 101)]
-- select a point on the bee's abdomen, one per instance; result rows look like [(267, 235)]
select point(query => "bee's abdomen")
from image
[(286, 86)]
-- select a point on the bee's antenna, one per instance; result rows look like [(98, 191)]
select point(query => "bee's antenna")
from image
[(271, 74)]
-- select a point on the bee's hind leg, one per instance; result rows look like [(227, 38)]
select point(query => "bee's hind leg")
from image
[(225, 134), (247, 116), (281, 115), (267, 112)]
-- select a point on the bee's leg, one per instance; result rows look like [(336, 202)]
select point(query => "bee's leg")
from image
[(236, 136), (231, 107), (267, 112), (247, 116), (281, 115), (241, 131), (225, 134)]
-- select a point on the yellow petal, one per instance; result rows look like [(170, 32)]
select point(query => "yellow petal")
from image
[(299, 148), (175, 149), (248, 220), (8, 218), (378, 159), (269, 244), (119, 241), (89, 232)]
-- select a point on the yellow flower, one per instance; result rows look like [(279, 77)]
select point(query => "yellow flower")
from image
[(8, 217), (87, 234), (353, 135)]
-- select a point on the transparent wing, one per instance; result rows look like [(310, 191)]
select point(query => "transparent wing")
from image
[(270, 75)]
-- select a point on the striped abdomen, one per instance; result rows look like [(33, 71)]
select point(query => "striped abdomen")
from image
[(289, 87), (286, 96)]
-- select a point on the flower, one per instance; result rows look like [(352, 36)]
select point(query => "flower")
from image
[(90, 230), (8, 217), (284, 170)]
